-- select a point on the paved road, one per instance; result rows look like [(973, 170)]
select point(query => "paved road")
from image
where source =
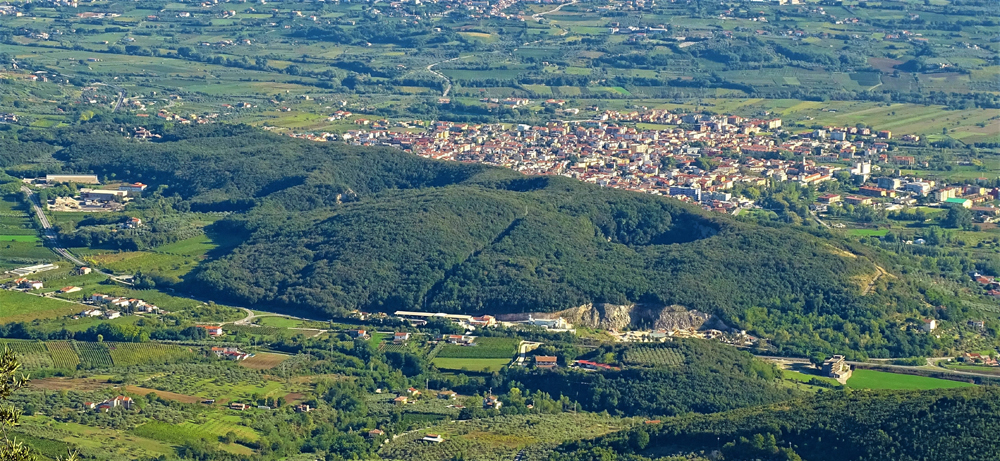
[(50, 234), (447, 81), (121, 97)]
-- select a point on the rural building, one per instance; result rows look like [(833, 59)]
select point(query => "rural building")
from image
[(375, 433), (400, 337), (70, 289), (401, 400), (447, 395), (85, 270), (238, 406), (76, 178), (929, 325), (102, 195), (491, 402), (545, 361), (836, 367), (212, 330), (134, 187), (433, 438), (483, 321), (358, 334)]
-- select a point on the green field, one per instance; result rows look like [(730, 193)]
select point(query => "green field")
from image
[(866, 232), (483, 348), (18, 238), (470, 364), (22, 307), (871, 379)]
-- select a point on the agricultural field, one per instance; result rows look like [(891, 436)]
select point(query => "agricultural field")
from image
[(23, 307), (871, 379), (264, 361), (501, 437), (30, 354), (653, 356), (482, 348), (470, 364)]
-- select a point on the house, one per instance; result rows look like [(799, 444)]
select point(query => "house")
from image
[(491, 402), (483, 321), (212, 330), (930, 325), (303, 408), (375, 433), (131, 223), (458, 339), (238, 406), (401, 400), (28, 284), (836, 367), (855, 200), (231, 353), (447, 395), (413, 391), (358, 334), (263, 407), (432, 438), (70, 289), (111, 315), (400, 337), (98, 298), (829, 198), (85, 270), (107, 405), (977, 324), (545, 361)]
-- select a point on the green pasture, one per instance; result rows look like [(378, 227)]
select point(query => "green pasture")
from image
[(871, 379), (23, 307), (470, 364)]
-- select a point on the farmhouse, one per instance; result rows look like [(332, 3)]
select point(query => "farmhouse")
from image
[(400, 337), (238, 406), (70, 289), (447, 395), (231, 353), (432, 438), (401, 400), (358, 334), (212, 330), (107, 405)]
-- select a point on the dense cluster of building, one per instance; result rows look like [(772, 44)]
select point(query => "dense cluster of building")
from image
[(663, 161)]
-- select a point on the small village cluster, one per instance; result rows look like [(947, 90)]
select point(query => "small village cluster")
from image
[(112, 307)]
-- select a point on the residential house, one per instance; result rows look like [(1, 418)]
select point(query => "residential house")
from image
[(213, 331), (433, 438), (930, 325), (401, 400), (400, 337), (447, 395), (238, 406), (358, 334)]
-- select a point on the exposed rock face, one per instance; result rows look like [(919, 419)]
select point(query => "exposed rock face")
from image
[(635, 316)]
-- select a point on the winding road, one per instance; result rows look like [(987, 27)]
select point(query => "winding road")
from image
[(447, 81)]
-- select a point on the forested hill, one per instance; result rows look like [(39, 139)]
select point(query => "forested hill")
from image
[(330, 227), (943, 425)]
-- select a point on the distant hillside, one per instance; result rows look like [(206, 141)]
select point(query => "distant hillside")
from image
[(945, 425), (329, 228)]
